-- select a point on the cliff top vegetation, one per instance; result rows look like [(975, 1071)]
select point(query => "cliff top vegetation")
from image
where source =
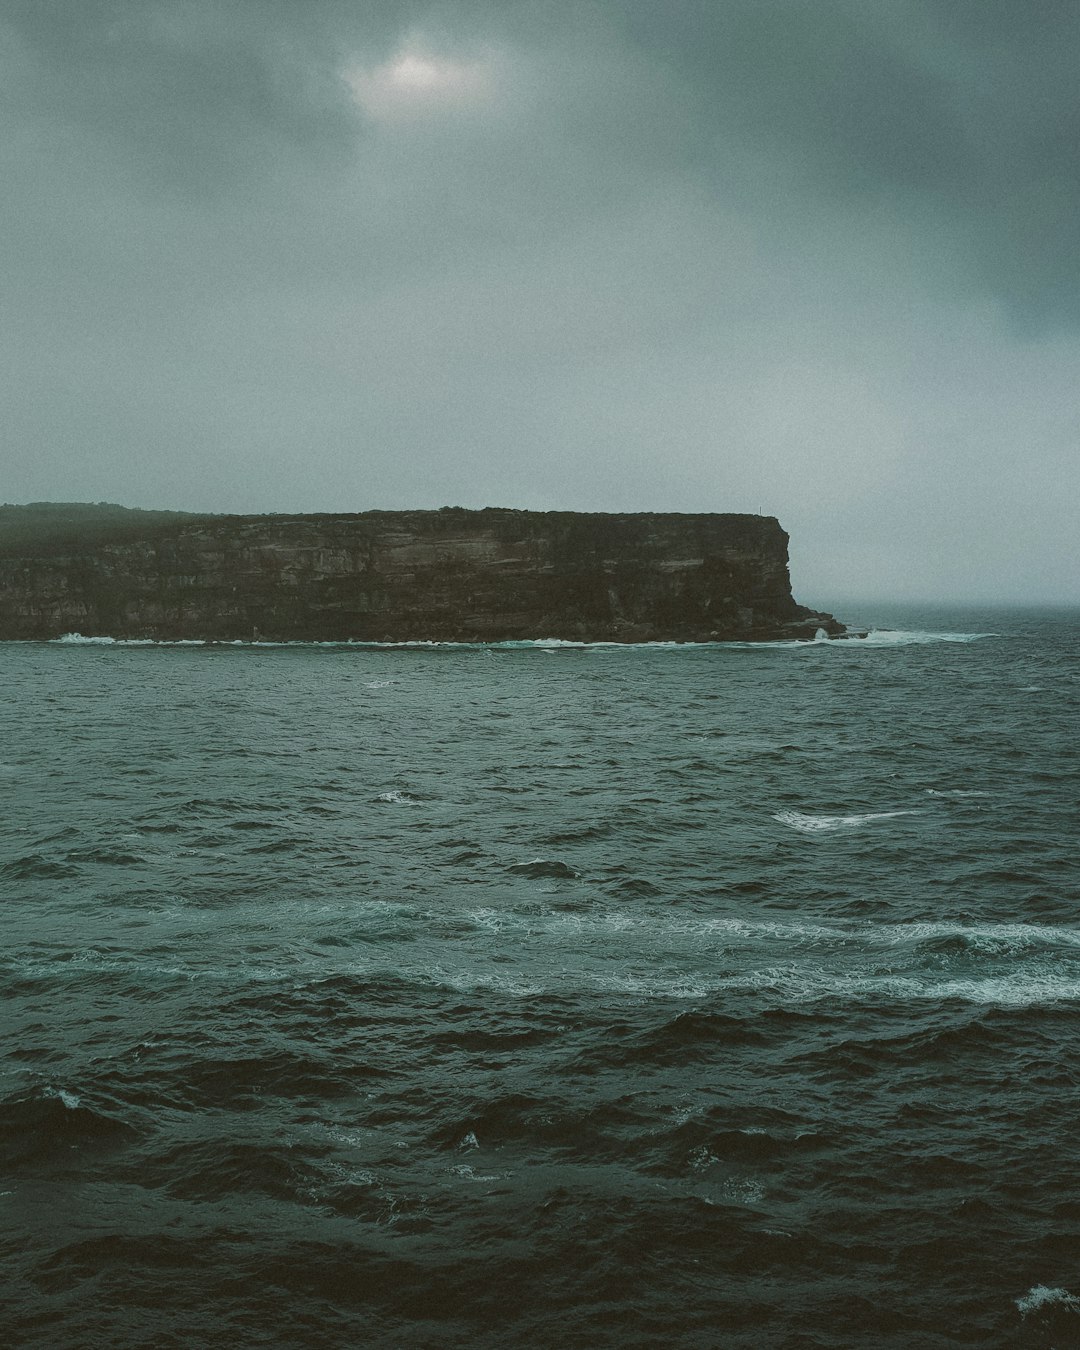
[(51, 527)]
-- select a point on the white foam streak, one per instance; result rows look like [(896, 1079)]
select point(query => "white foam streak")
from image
[(732, 932), (899, 637), (874, 638), (807, 986), (806, 824), (779, 987), (776, 962)]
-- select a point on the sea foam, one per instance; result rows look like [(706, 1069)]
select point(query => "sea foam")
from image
[(899, 637), (798, 820), (875, 637), (1040, 1297)]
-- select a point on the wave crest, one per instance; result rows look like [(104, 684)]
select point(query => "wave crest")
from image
[(806, 824)]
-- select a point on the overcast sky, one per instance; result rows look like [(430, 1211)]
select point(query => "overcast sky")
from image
[(814, 258)]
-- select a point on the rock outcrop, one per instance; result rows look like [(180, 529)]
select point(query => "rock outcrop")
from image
[(447, 575)]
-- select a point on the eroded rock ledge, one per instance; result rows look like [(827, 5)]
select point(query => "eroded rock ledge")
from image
[(447, 575)]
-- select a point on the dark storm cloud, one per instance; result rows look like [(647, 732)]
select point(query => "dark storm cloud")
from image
[(820, 259), (814, 84), (197, 92), (965, 113)]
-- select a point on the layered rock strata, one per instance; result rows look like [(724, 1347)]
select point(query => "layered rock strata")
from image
[(394, 576)]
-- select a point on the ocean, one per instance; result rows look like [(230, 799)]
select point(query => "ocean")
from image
[(544, 995)]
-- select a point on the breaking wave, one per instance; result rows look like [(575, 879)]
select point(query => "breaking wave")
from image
[(1040, 1298), (806, 824), (896, 637), (855, 640)]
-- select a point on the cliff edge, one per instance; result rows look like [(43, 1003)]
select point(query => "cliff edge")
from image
[(395, 576)]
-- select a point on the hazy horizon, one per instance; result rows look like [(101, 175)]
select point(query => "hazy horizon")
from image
[(820, 263)]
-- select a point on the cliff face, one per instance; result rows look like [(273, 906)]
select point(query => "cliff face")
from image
[(449, 575)]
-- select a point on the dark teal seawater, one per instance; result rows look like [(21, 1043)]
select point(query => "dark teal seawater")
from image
[(719, 996)]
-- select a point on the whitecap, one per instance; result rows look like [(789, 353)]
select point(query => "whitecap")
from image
[(954, 792), (488, 920), (1040, 1296), (700, 1159), (69, 1099), (748, 1191), (901, 637), (467, 1173), (398, 798), (798, 820)]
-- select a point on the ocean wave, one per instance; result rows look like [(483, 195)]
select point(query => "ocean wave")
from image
[(36, 865), (1040, 1297), (509, 644), (51, 1123), (875, 637), (776, 988), (542, 867), (78, 640), (900, 637), (659, 955), (806, 824), (740, 932)]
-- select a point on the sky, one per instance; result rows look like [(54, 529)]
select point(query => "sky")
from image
[(815, 260)]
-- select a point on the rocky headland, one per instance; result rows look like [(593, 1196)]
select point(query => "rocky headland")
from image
[(396, 576)]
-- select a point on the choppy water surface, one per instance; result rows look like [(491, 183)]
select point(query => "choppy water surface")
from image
[(544, 996)]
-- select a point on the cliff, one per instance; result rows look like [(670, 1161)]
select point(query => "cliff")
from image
[(449, 575)]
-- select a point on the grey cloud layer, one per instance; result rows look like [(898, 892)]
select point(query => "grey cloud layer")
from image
[(965, 111), (818, 259)]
